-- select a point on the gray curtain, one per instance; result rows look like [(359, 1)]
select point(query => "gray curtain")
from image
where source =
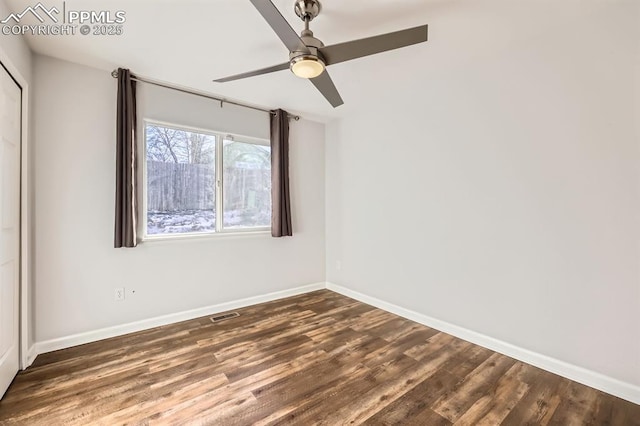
[(126, 208), (280, 200)]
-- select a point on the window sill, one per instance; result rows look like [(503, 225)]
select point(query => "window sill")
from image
[(255, 233)]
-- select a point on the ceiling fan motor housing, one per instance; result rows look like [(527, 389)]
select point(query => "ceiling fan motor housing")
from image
[(313, 45)]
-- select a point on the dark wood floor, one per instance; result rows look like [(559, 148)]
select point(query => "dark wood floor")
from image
[(319, 358)]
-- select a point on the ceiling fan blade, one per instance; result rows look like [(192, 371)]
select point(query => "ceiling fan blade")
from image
[(369, 46), (325, 85), (261, 71), (280, 25)]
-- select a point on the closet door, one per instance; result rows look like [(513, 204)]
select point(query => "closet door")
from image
[(10, 138)]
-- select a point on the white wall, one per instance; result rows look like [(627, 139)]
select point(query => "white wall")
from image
[(15, 47), (76, 264), (496, 186), (16, 56)]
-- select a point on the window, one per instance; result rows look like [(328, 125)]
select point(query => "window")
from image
[(204, 182)]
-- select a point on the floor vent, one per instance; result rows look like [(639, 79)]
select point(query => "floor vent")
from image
[(224, 317)]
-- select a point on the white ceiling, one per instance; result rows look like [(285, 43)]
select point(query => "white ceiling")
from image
[(191, 42)]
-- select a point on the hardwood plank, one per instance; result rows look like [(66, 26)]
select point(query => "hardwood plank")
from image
[(467, 360), (577, 405), (279, 399), (494, 406), (425, 416), (317, 358), (391, 386), (541, 400), (414, 406), (477, 384), (610, 410)]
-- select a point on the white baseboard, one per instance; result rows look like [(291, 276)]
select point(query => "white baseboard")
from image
[(119, 330), (590, 378), (31, 356)]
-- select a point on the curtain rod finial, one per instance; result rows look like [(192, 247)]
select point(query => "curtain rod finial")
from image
[(114, 73)]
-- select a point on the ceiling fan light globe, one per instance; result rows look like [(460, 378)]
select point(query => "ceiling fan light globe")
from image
[(307, 67)]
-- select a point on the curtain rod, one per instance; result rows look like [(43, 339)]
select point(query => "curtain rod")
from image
[(222, 101)]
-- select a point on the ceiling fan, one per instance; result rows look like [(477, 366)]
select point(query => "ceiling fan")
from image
[(309, 57)]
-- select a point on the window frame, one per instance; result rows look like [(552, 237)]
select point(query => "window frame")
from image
[(219, 184)]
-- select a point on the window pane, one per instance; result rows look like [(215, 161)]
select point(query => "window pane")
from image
[(180, 181), (247, 185)]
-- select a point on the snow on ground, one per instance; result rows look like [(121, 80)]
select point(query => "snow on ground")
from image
[(190, 221), (181, 222)]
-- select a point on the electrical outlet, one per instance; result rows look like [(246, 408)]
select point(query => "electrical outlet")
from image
[(119, 295)]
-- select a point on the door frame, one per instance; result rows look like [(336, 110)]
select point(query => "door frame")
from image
[(27, 354)]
